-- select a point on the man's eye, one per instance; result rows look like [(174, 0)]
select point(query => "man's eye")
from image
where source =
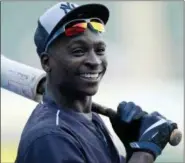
[(100, 51), (78, 52)]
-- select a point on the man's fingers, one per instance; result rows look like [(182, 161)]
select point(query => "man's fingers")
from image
[(140, 115), (120, 108), (172, 125), (158, 114), (129, 111)]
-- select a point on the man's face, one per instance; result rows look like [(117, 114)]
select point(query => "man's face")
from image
[(78, 63)]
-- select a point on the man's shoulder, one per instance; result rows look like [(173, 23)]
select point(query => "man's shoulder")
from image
[(39, 131), (41, 122), (42, 134), (41, 117)]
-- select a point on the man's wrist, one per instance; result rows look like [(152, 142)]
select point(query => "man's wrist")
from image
[(141, 157), (148, 147)]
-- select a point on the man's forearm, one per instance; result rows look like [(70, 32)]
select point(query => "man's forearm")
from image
[(141, 157)]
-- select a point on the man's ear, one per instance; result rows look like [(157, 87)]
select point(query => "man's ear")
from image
[(45, 62)]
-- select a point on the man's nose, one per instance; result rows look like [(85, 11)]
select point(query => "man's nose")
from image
[(93, 59)]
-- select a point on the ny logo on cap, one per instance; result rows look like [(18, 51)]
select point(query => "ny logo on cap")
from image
[(67, 7)]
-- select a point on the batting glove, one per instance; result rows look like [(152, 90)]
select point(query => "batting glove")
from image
[(127, 124), (154, 134)]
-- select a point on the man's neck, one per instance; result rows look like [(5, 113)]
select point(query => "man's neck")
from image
[(70, 100)]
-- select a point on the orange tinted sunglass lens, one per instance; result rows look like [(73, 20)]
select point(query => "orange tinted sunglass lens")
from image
[(98, 26), (75, 29), (82, 25)]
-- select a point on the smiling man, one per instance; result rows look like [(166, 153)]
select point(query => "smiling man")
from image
[(76, 65), (63, 129)]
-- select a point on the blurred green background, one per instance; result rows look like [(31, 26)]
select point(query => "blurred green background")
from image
[(145, 54)]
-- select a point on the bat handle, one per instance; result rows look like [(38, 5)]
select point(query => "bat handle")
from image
[(175, 137)]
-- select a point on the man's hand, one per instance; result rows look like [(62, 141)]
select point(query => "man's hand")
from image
[(154, 134), (127, 124), (140, 131)]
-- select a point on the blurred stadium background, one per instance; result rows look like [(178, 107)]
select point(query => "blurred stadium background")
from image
[(145, 52)]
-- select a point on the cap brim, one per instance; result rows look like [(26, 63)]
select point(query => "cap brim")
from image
[(86, 11)]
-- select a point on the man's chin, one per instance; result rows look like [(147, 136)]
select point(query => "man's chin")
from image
[(89, 91), (92, 93)]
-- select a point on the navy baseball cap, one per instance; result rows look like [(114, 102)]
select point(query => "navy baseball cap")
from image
[(59, 14)]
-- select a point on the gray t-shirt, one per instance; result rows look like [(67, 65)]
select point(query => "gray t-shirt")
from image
[(87, 115)]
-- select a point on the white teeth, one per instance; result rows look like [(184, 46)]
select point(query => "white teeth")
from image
[(88, 75)]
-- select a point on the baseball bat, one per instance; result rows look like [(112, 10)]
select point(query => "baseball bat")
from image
[(29, 82), (21, 79)]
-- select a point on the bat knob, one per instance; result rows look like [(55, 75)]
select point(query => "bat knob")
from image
[(175, 137)]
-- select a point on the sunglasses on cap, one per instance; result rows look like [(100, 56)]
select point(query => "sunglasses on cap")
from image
[(78, 26)]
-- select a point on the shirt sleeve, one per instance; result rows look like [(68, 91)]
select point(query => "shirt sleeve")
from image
[(54, 149)]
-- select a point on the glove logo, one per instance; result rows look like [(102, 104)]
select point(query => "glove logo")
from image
[(155, 134)]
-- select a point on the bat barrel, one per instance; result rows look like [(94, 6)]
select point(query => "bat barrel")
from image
[(20, 78)]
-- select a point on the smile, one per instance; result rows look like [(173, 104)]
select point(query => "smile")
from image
[(91, 76)]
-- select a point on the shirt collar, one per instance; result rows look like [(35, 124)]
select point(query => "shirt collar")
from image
[(84, 117)]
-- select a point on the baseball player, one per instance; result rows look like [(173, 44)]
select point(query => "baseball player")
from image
[(62, 128)]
